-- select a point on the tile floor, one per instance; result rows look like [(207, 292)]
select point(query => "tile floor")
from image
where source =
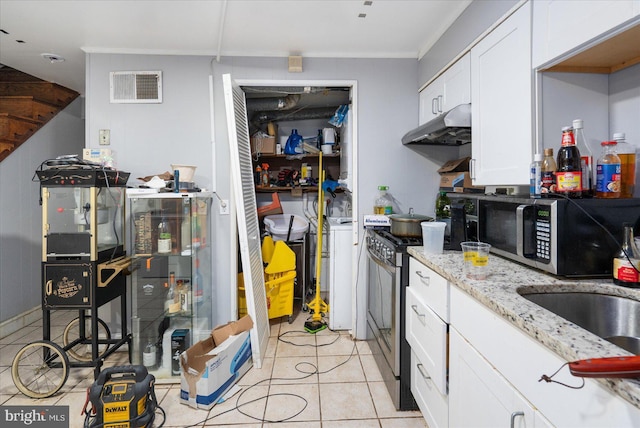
[(346, 391)]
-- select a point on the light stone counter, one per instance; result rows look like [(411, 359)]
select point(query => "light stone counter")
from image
[(499, 292)]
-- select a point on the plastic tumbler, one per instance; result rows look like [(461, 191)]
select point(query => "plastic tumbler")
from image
[(476, 259), (433, 236)]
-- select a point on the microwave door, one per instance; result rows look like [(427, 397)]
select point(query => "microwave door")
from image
[(526, 231)]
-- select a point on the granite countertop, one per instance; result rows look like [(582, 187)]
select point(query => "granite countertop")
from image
[(499, 292)]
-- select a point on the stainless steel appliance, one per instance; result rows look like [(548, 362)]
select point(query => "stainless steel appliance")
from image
[(567, 237), (452, 128), (388, 278)]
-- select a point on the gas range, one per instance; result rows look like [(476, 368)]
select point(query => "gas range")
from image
[(389, 248)]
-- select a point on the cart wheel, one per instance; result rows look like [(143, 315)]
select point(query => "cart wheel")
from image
[(82, 351), (40, 369), (290, 319), (305, 307)]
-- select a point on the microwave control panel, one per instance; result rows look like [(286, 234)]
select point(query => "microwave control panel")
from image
[(543, 234)]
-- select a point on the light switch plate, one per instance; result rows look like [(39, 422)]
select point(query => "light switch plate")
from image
[(104, 137), (224, 207)]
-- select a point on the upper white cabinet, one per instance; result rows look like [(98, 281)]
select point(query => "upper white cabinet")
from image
[(451, 88), (560, 26), (502, 110)]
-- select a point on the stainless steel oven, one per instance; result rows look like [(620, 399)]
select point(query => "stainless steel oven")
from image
[(388, 277)]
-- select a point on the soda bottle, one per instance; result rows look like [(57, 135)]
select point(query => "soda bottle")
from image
[(548, 173), (627, 155), (586, 159), (535, 176), (608, 169), (627, 262), (569, 173)]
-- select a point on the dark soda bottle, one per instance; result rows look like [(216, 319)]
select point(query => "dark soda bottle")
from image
[(569, 172)]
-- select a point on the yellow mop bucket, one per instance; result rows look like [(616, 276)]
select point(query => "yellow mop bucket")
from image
[(279, 279)]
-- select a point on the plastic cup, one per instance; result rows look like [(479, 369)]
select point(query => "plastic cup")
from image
[(327, 149), (476, 259), (433, 236)]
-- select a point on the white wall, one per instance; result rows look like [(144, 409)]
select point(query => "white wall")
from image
[(147, 138), (21, 215)]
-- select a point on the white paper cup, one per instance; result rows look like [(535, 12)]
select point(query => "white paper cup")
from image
[(433, 236), (476, 259), (327, 149)]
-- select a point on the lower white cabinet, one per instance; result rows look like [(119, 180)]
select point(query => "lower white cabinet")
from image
[(479, 396), (433, 404), (495, 363)]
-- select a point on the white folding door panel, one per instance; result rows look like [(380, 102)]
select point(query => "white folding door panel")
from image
[(247, 216)]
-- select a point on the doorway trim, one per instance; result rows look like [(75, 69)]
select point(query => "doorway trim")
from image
[(358, 324)]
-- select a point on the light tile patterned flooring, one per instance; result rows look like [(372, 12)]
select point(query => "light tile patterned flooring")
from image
[(346, 391)]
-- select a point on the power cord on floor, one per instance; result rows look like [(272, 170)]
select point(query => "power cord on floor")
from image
[(299, 368)]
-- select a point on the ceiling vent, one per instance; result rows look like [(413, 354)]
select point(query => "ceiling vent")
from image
[(136, 86)]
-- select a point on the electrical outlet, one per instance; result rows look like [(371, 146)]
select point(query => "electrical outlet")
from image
[(104, 137), (224, 207)]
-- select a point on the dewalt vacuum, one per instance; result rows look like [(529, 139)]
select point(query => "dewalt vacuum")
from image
[(121, 397)]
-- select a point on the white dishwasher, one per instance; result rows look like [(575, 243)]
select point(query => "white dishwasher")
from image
[(339, 273)]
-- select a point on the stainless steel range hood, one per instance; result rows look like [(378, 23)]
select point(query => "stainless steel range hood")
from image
[(452, 128)]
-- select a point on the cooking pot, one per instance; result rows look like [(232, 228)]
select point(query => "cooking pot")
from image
[(408, 224)]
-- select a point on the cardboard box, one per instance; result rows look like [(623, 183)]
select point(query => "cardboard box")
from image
[(263, 145), (454, 176), (212, 366), (456, 165)]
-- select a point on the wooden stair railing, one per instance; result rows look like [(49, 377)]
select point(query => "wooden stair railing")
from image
[(26, 104)]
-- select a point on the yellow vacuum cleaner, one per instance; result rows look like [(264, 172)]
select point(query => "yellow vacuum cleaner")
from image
[(317, 305)]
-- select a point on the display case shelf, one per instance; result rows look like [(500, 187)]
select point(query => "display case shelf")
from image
[(172, 288)]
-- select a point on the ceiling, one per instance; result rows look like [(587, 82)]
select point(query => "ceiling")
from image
[(217, 28)]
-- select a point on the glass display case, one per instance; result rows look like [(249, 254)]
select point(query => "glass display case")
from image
[(171, 277)]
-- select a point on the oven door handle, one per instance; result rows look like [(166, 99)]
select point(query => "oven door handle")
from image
[(383, 263)]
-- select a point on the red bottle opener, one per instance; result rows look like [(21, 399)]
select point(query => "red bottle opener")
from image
[(613, 367)]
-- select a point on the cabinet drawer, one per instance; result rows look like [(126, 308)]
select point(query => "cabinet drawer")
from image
[(433, 405), (427, 336), (430, 287)]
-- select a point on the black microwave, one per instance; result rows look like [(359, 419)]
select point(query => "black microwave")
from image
[(566, 237)]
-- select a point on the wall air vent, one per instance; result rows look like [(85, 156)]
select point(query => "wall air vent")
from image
[(136, 87)]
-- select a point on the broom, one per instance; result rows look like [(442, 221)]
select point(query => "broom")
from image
[(317, 305)]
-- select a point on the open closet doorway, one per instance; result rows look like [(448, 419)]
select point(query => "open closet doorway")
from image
[(274, 110)]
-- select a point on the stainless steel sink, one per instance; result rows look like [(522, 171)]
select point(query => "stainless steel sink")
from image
[(613, 318)]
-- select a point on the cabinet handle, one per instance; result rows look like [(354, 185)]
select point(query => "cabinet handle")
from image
[(472, 169), (425, 279), (514, 415), (420, 316), (439, 103), (427, 377), (434, 108)]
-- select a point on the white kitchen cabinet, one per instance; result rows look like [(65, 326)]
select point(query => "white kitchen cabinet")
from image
[(426, 317), (432, 403), (451, 88), (519, 360), (561, 26), (502, 109), (479, 396)]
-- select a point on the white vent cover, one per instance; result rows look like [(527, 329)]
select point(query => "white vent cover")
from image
[(135, 86)]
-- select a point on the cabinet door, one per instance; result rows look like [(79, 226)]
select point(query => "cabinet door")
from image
[(560, 26), (429, 100), (457, 84), (501, 111), (478, 395)]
